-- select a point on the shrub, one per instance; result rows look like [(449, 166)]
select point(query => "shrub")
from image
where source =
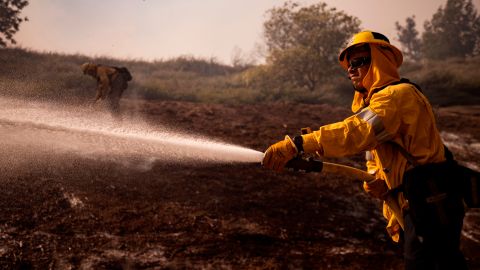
[(58, 77)]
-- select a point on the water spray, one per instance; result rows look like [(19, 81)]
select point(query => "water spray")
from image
[(94, 134)]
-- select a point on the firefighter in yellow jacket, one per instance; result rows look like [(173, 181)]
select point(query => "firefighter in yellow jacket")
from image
[(394, 124), (111, 83)]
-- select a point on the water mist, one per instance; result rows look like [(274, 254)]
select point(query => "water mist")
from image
[(95, 134)]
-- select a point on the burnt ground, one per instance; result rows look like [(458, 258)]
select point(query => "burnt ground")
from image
[(64, 211)]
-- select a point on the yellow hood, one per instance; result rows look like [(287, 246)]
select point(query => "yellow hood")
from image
[(382, 72)]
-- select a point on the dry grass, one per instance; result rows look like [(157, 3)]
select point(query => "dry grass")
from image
[(58, 77)]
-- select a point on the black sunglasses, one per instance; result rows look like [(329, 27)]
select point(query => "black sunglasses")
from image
[(358, 62)]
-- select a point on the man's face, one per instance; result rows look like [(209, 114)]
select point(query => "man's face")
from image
[(358, 65)]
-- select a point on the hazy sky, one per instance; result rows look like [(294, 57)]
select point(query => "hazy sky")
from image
[(162, 29)]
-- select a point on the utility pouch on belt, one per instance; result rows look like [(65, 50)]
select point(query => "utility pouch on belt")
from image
[(437, 192), (434, 195), (460, 180)]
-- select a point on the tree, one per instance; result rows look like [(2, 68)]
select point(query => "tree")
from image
[(10, 19), (303, 42), (408, 37), (240, 60), (454, 31)]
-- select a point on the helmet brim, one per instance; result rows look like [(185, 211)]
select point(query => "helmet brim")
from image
[(342, 57)]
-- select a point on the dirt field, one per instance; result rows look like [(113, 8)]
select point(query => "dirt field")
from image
[(65, 211)]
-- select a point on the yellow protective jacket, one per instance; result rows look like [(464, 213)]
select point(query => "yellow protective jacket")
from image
[(110, 80), (391, 112)]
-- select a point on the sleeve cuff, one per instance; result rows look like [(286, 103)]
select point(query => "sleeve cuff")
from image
[(311, 144)]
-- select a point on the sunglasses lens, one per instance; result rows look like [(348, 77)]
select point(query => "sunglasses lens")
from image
[(358, 62)]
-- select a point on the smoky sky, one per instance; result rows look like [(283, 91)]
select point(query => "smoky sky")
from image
[(156, 30)]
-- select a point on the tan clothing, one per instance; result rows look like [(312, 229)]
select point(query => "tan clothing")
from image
[(111, 82)]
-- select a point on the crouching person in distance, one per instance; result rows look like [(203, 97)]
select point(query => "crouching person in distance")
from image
[(393, 123), (111, 83)]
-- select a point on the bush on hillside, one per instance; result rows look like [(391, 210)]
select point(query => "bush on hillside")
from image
[(58, 77), (447, 82)]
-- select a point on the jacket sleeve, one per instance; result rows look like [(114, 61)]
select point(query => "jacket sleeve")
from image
[(363, 131)]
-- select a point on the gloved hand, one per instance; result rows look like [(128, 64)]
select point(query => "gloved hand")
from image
[(278, 154), (376, 188)]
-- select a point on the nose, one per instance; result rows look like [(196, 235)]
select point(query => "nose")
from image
[(351, 71)]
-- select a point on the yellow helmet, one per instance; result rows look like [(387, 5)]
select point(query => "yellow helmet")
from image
[(371, 38)]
